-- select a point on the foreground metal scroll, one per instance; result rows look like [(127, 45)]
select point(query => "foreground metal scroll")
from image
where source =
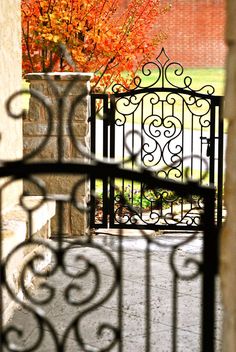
[(100, 294)]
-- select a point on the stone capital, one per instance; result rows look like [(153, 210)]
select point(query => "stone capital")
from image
[(59, 76)]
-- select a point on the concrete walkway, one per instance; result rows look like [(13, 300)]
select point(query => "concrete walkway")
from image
[(90, 294)]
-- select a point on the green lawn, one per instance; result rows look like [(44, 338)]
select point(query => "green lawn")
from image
[(200, 77), (212, 76)]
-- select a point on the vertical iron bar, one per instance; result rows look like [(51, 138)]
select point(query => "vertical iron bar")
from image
[(192, 118), (162, 117), (148, 296), (120, 283), (201, 152), (212, 142), (210, 261), (93, 151), (104, 201), (192, 145), (175, 316), (106, 121), (123, 154), (60, 227), (111, 204), (182, 163), (220, 168), (30, 225), (105, 126), (132, 184), (141, 157), (182, 127)]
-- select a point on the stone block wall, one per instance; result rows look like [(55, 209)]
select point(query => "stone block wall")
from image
[(35, 128)]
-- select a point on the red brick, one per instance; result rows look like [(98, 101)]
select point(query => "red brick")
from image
[(195, 31)]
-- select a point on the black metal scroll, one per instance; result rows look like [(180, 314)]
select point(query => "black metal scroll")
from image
[(172, 129), (85, 288)]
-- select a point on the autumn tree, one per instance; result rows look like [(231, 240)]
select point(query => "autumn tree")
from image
[(99, 36)]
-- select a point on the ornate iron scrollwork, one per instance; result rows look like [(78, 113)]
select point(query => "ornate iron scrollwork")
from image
[(161, 123), (145, 160), (164, 73)]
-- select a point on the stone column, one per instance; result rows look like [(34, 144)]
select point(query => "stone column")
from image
[(54, 88), (10, 82), (228, 238)]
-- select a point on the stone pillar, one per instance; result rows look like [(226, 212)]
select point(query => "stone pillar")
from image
[(54, 87), (228, 238), (10, 82)]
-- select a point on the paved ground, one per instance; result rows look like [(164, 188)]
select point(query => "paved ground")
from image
[(92, 301)]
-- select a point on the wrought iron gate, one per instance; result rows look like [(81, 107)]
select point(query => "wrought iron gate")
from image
[(83, 296), (174, 130), (93, 294)]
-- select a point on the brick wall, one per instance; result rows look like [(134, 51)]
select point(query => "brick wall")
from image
[(195, 31)]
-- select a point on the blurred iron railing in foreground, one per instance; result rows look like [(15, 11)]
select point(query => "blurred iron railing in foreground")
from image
[(85, 292)]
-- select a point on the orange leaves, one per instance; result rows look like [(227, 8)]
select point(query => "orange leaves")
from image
[(102, 36)]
